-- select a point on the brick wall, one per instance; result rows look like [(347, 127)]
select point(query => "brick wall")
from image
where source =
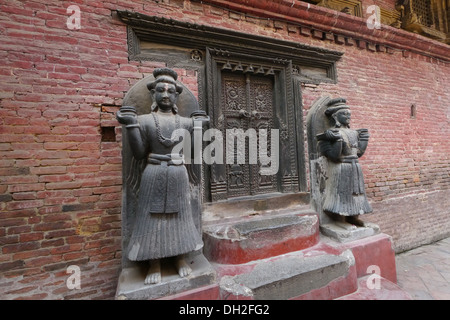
[(60, 163), (60, 183)]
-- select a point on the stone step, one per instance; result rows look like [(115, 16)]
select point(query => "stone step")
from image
[(293, 276), (260, 237), (254, 206)]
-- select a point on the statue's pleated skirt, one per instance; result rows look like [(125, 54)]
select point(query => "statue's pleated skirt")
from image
[(345, 192), (161, 235)]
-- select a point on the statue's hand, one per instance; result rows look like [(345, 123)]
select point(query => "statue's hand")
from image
[(127, 115), (333, 135), (363, 134), (200, 115)]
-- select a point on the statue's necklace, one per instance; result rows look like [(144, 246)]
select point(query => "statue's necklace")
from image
[(168, 142)]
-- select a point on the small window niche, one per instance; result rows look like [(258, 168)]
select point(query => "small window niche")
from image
[(413, 111), (108, 134)]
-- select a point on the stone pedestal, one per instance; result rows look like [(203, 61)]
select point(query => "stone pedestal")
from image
[(345, 232), (131, 281)]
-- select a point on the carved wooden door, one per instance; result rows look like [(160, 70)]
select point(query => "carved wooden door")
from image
[(247, 105)]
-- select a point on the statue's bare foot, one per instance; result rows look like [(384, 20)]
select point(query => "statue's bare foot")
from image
[(356, 221), (183, 269), (154, 273)]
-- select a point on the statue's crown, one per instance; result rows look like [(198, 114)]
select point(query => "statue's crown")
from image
[(336, 104), (165, 75), (165, 72)]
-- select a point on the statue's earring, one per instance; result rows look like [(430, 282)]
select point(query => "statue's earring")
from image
[(337, 123), (154, 105)]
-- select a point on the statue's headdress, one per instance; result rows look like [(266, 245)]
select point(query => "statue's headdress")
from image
[(165, 75), (335, 105)]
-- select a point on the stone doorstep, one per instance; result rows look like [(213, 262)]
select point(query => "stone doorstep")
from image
[(260, 238)]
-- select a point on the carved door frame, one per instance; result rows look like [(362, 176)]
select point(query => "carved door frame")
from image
[(287, 116)]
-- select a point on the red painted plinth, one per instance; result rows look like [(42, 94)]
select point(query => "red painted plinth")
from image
[(374, 253), (230, 247)]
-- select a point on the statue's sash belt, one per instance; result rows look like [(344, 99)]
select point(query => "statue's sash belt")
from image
[(349, 160), (165, 159)]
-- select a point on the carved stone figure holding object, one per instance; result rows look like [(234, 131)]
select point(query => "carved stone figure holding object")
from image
[(345, 197), (163, 224)]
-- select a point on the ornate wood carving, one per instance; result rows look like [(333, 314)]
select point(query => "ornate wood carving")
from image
[(426, 17), (429, 18), (161, 30), (352, 7), (390, 17), (253, 92)]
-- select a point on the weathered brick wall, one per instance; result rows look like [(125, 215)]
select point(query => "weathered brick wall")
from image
[(60, 183), (60, 163)]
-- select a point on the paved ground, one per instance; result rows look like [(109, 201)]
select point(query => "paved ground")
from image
[(424, 272)]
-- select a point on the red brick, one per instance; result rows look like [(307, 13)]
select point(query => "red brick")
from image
[(48, 226), (6, 266), (31, 237), (52, 243), (24, 196), (37, 296), (55, 178), (63, 185), (27, 246), (19, 229), (26, 187), (17, 205), (61, 145), (66, 249), (9, 240), (48, 170), (57, 217)]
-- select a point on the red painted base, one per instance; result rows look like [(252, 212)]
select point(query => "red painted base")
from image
[(373, 289), (372, 254), (226, 245)]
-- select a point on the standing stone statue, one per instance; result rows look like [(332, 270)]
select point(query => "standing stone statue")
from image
[(345, 197), (163, 223)]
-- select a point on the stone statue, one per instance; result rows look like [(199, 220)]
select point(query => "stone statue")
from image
[(163, 225), (344, 197)]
